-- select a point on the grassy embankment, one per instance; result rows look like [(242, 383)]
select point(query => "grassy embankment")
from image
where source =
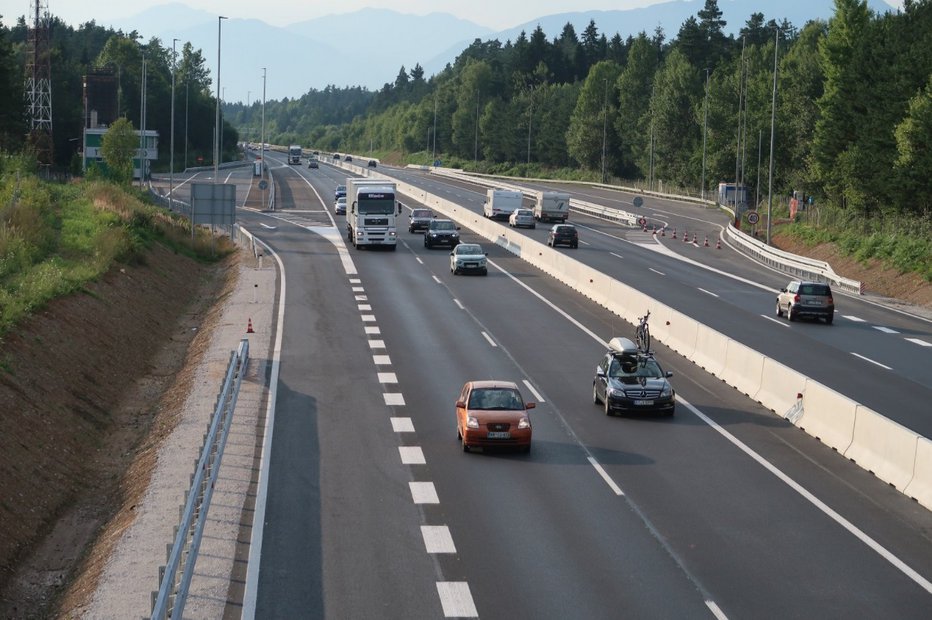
[(55, 238)]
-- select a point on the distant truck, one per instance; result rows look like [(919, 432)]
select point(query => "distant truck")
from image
[(501, 203), (294, 154), (372, 213), (552, 207)]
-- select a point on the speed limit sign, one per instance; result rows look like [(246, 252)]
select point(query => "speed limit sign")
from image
[(753, 217)]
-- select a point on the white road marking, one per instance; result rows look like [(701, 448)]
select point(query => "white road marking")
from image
[(394, 399), (777, 321), (368, 318), (608, 480), (489, 339), (376, 344), (616, 255), (227, 180), (372, 329), (355, 281), (437, 539), (457, 302), (402, 425), (436, 279), (358, 289), (456, 599), (418, 259), (854, 318), (921, 343), (388, 377), (867, 359), (885, 330), (381, 360), (707, 292), (815, 501), (585, 243), (267, 226), (362, 298), (423, 493), (411, 455), (716, 611), (536, 394), (364, 307), (657, 272)]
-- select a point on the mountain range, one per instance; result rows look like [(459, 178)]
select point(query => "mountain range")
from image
[(368, 47)]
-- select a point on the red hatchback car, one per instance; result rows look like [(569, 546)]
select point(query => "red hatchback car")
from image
[(492, 414)]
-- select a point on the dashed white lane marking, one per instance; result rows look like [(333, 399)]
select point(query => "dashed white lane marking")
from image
[(436, 279), (394, 399), (854, 318), (867, 359), (373, 329), (885, 330), (716, 611), (423, 493), (388, 377), (657, 272), (364, 307), (456, 599), (457, 302), (536, 394), (585, 243), (489, 339), (708, 292), (368, 318), (777, 321), (362, 298), (358, 289), (437, 539), (355, 281), (376, 344), (418, 259), (608, 479), (381, 360), (411, 455), (402, 425), (616, 255), (921, 343)]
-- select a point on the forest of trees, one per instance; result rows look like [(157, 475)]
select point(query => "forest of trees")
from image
[(853, 121)]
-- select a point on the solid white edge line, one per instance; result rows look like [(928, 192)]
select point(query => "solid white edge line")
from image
[(258, 518), (707, 292), (489, 339), (777, 321), (608, 480), (815, 501), (657, 272), (716, 610), (867, 359), (536, 394), (457, 302), (436, 279)]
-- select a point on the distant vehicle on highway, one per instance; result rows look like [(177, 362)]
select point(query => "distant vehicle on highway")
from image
[(493, 414), (348, 158), (312, 163), (339, 191), (339, 207), (371, 163), (522, 218), (441, 232), (419, 220), (468, 258), (563, 234), (628, 380), (801, 298)]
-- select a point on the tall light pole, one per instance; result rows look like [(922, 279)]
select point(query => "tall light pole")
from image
[(738, 138), (186, 122), (604, 125), (223, 98), (476, 154), (773, 116), (220, 19), (262, 143), (705, 128), (434, 153), (142, 124), (171, 165), (530, 118)]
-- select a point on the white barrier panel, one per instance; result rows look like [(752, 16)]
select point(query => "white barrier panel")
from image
[(743, 368), (828, 416), (779, 386), (883, 447), (711, 347), (682, 335), (920, 488)]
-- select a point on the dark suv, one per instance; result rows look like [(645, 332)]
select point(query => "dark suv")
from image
[(419, 220), (564, 234), (441, 232), (630, 381), (810, 299)]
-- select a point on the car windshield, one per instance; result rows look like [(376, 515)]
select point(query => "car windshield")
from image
[(444, 226), (341, 188), (420, 213), (523, 212), (496, 398), (813, 289), (630, 366), (341, 200), (469, 249)]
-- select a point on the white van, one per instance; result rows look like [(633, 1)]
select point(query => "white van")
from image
[(501, 203), (552, 207)]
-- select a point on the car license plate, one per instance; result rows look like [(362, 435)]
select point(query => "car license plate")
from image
[(470, 265), (643, 403), (499, 435)]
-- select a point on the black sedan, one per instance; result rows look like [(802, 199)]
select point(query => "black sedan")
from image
[(630, 381)]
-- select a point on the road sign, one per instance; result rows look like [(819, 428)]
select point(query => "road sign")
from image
[(263, 184), (638, 201), (753, 217)]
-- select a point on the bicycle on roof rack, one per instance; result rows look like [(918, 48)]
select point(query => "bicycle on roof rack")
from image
[(642, 333)]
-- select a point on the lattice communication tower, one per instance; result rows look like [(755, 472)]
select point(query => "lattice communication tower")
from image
[(39, 81)]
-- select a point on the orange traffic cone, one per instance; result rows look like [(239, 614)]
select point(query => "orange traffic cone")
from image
[(663, 231), (718, 244), (706, 244), (674, 233), (686, 237), (249, 329)]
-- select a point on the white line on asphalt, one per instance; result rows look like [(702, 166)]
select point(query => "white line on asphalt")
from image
[(388, 377), (585, 243), (267, 226), (381, 360), (536, 394), (921, 343), (815, 501), (437, 539), (402, 425), (358, 289), (457, 302), (436, 279), (411, 455), (418, 259), (423, 493), (362, 298), (707, 292), (616, 255), (394, 399), (867, 359), (608, 479), (658, 272), (376, 344), (372, 329), (885, 330), (716, 611), (854, 318), (364, 307), (227, 180), (368, 318), (489, 339), (456, 600), (777, 321), (355, 281)]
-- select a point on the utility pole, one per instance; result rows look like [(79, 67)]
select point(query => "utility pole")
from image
[(142, 124), (434, 154), (604, 124), (476, 155), (171, 165), (220, 19), (738, 133), (705, 131), (773, 116), (262, 144), (530, 118)]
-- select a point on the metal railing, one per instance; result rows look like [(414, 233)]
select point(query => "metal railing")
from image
[(170, 599)]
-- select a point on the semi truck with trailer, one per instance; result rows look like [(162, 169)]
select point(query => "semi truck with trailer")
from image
[(294, 154), (372, 213)]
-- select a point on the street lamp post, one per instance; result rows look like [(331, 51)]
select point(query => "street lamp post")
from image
[(185, 122), (434, 152), (171, 165), (476, 154), (773, 114), (705, 131), (604, 125), (262, 143), (220, 19), (530, 119), (142, 124)]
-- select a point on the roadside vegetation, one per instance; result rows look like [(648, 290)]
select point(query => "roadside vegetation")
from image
[(55, 238)]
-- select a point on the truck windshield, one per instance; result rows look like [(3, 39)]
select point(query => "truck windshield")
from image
[(384, 204)]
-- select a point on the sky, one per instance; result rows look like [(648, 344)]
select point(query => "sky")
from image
[(494, 14)]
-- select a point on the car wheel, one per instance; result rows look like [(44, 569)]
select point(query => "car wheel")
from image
[(526, 449), (425, 242), (595, 395), (608, 410), (465, 445), (789, 313), (393, 248), (533, 226), (459, 435), (575, 244), (669, 414), (779, 309), (485, 272), (454, 271), (829, 319)]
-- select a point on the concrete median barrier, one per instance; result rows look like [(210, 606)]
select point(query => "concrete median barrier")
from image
[(828, 416), (743, 368), (711, 347), (883, 447), (779, 386), (681, 334), (920, 487)]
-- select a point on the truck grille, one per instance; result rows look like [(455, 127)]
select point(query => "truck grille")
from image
[(376, 221)]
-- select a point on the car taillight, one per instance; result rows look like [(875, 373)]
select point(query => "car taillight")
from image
[(796, 298), (830, 301)]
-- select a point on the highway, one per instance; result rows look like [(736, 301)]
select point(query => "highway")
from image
[(725, 510)]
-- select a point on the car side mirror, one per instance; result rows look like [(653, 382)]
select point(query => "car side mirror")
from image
[(782, 290), (530, 405), (399, 208), (452, 253), (669, 374), (457, 228), (460, 404), (599, 372)]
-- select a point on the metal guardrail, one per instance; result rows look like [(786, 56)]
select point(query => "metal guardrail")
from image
[(170, 599)]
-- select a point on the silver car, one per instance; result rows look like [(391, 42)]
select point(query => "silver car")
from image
[(339, 207), (468, 258), (810, 299), (522, 218)]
